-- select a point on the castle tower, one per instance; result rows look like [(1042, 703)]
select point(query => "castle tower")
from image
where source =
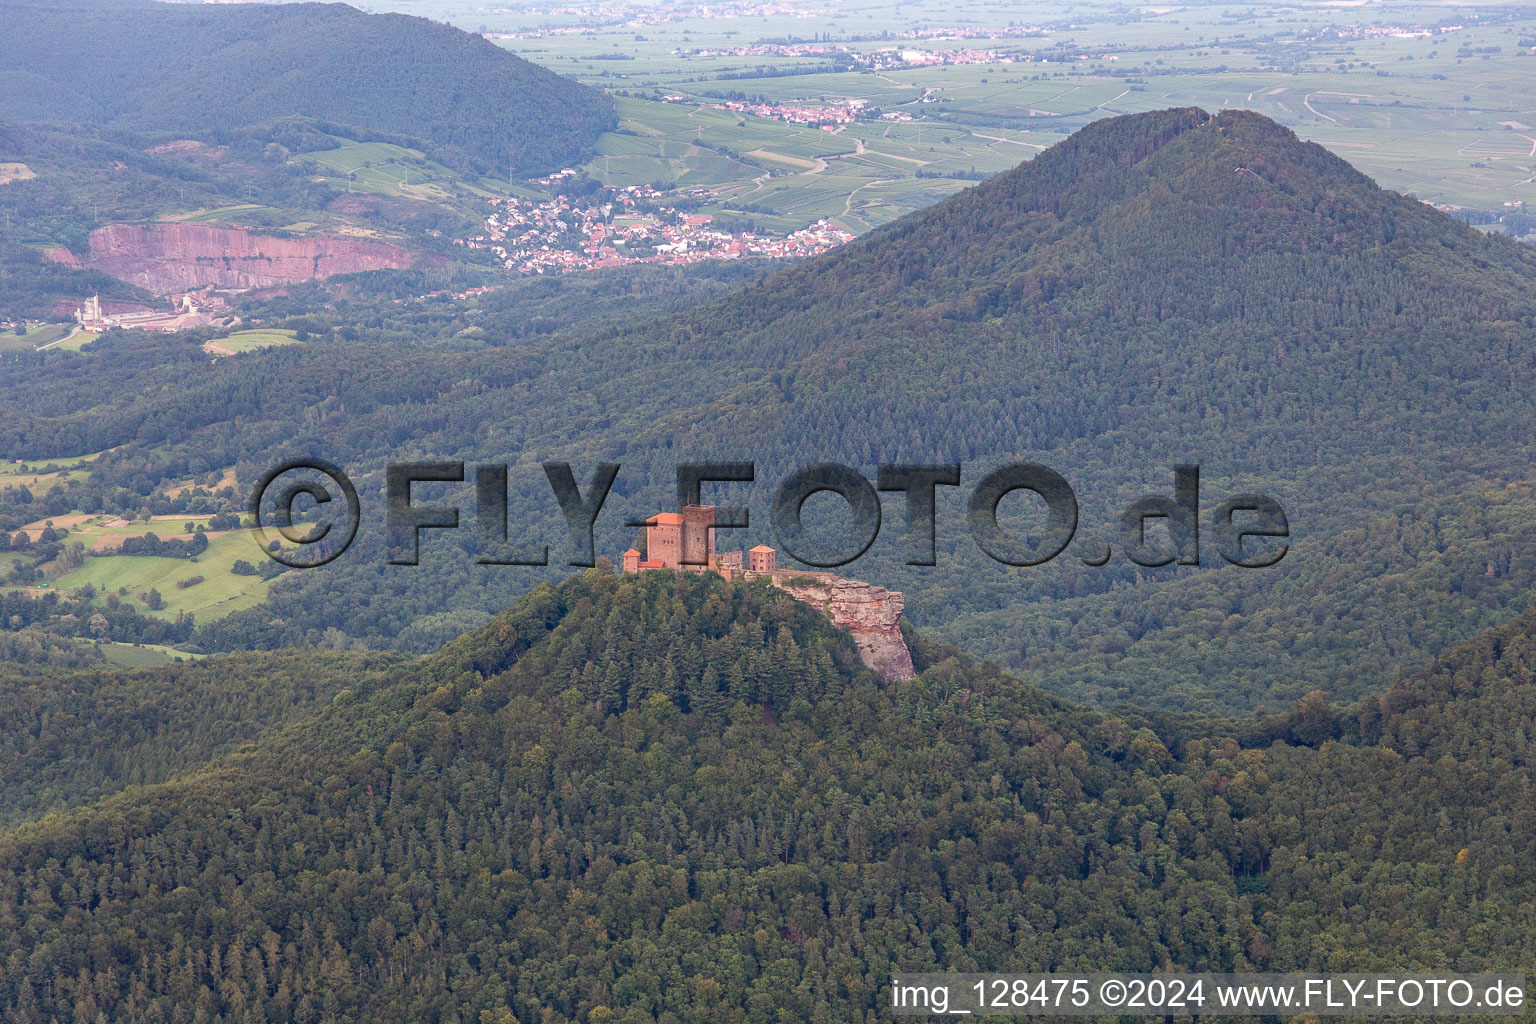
[(762, 559), (698, 536), (664, 540), (631, 561)]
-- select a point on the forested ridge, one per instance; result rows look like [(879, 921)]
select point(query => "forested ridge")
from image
[(72, 737), (671, 798), (181, 70), (1159, 288)]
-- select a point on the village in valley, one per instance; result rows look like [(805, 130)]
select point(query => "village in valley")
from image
[(828, 115), (627, 226), (883, 59)]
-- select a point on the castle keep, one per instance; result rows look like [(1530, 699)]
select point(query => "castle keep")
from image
[(679, 540)]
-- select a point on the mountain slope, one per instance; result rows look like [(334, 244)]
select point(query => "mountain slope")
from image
[(613, 804), (1160, 288), (69, 738), (179, 69)]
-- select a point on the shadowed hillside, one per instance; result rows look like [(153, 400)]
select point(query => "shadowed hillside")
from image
[(672, 798), (194, 69)]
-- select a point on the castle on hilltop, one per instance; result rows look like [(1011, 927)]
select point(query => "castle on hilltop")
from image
[(685, 541)]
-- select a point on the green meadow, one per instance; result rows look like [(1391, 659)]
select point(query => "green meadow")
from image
[(386, 169), (78, 341), (143, 655), (44, 473), (220, 593), (251, 341), (36, 336), (784, 176)]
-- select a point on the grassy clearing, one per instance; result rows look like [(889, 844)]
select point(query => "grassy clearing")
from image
[(226, 479), (249, 341), (240, 213), (220, 593), (33, 336), (76, 343), (383, 168), (143, 655), (10, 172), (44, 473)]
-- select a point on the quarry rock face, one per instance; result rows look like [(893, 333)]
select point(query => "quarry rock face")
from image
[(166, 258), (869, 613)]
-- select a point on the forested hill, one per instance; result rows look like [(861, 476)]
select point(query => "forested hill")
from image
[(198, 70), (1160, 288), (1146, 266), (672, 798)]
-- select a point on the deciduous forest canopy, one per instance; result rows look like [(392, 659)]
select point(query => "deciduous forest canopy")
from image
[(672, 798)]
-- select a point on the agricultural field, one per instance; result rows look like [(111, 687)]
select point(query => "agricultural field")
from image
[(384, 169), (218, 594), (36, 336), (40, 475), (226, 478), (132, 577), (240, 212), (1433, 99), (102, 532), (29, 337), (784, 176), (381, 167), (375, 169)]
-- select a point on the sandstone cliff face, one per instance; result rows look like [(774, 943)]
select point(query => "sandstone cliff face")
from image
[(869, 613), (166, 258)]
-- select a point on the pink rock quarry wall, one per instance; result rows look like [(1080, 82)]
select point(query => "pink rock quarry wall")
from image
[(869, 613), (166, 258)]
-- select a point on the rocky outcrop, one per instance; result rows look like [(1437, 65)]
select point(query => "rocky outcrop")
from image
[(166, 258), (869, 613)]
